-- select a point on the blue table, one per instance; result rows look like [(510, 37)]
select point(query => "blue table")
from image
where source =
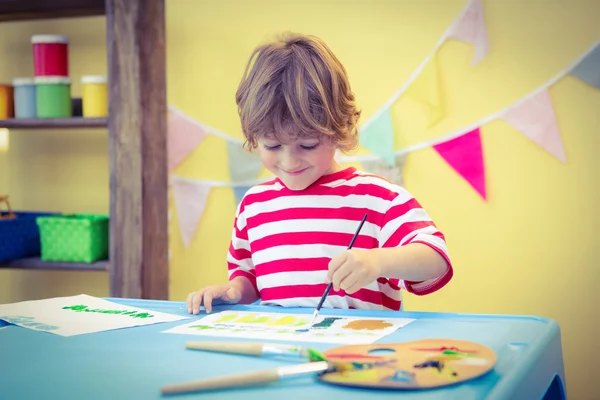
[(135, 363)]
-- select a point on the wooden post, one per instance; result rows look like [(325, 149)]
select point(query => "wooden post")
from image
[(138, 149)]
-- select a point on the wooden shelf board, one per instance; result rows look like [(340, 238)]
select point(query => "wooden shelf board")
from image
[(49, 123), (37, 263), (23, 10)]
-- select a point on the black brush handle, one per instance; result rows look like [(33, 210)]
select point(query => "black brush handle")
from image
[(328, 289)]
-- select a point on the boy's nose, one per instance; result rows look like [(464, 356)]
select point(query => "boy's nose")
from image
[(290, 163)]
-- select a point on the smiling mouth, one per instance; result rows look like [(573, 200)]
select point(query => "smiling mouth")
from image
[(298, 172)]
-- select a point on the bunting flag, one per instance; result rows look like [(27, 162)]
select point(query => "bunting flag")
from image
[(190, 202), (471, 28), (239, 192), (465, 155), (243, 165), (536, 119), (425, 90), (378, 136), (183, 136), (588, 70), (392, 173)]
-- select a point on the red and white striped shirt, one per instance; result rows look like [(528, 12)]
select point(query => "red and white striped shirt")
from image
[(283, 240)]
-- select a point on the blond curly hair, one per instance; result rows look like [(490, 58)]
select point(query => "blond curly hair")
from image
[(296, 87)]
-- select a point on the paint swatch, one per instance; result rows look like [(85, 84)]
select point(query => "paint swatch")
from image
[(279, 326)]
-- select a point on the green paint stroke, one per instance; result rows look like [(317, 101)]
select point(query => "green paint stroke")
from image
[(201, 327), (134, 314), (326, 323)]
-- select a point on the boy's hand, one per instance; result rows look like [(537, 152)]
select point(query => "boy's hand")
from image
[(353, 270), (210, 295)]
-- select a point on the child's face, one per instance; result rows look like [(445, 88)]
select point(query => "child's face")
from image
[(298, 163)]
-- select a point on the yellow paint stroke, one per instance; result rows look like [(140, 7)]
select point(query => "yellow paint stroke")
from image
[(255, 318), (287, 320), (226, 318), (246, 319), (368, 324), (367, 375)]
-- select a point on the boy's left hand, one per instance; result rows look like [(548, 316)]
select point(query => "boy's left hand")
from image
[(353, 270)]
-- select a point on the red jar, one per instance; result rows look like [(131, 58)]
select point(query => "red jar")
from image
[(50, 55)]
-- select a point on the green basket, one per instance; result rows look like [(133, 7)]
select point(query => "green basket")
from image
[(74, 237)]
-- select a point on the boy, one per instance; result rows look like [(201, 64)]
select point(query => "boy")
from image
[(290, 234)]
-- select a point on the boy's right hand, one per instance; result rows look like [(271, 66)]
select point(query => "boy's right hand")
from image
[(210, 295)]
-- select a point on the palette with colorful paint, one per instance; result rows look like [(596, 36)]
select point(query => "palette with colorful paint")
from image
[(420, 364)]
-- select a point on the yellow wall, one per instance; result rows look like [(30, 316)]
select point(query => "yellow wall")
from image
[(528, 250)]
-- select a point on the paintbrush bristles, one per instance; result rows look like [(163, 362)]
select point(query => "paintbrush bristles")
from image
[(312, 320)]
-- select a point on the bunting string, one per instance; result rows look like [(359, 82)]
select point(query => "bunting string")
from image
[(486, 120), (533, 115)]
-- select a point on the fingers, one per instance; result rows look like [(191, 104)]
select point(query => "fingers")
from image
[(208, 298), (188, 302), (193, 302), (197, 301), (351, 283), (340, 275), (334, 265)]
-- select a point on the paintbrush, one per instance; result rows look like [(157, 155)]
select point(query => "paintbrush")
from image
[(257, 349), (328, 289), (256, 378)]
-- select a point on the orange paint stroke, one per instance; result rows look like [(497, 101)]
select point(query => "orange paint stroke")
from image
[(369, 324)]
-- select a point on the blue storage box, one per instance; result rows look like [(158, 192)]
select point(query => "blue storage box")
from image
[(20, 236)]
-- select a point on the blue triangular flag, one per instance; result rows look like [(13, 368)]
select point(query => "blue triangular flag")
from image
[(588, 70), (378, 136), (239, 192), (243, 165)]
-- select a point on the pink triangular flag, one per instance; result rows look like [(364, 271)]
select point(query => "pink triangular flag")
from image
[(471, 29), (535, 118), (465, 155), (183, 136), (190, 201)]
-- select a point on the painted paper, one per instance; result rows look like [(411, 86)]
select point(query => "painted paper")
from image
[(287, 327), (77, 315), (243, 165), (190, 201), (183, 136), (588, 70), (378, 136), (465, 155), (471, 29), (536, 119), (425, 90)]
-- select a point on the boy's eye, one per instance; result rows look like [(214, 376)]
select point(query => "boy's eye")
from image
[(305, 147), (272, 148)]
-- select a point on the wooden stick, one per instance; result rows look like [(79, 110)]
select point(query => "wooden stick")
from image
[(251, 349), (247, 379)]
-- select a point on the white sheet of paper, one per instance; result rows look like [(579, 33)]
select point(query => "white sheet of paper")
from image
[(77, 315), (276, 326)]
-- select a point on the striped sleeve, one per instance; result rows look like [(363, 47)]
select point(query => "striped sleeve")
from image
[(407, 222), (239, 257)]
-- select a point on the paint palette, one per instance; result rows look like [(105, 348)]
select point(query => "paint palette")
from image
[(419, 364)]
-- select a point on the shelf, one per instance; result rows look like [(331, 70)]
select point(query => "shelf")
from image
[(22, 10), (49, 123), (37, 263)]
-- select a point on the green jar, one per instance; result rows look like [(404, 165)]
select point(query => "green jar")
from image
[(53, 96)]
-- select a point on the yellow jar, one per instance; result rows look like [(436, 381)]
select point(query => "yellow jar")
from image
[(94, 96), (6, 101)]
